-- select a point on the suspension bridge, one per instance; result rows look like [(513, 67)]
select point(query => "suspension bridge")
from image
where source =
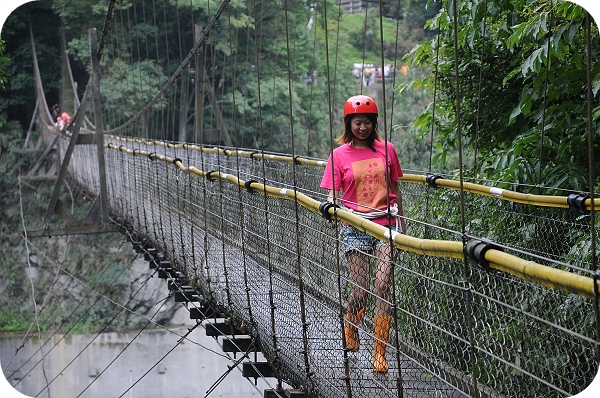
[(240, 233)]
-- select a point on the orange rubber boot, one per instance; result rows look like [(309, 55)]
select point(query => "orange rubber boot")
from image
[(351, 331), (382, 331)]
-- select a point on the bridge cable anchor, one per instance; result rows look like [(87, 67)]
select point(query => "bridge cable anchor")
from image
[(324, 209), (475, 250), (431, 179), (209, 176), (248, 187), (576, 202)]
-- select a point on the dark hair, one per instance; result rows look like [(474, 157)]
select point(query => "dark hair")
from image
[(347, 136)]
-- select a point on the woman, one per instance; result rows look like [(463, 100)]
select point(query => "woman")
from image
[(366, 170)]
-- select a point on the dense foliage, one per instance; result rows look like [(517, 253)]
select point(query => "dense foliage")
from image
[(145, 55), (522, 72), (522, 68), (144, 52)]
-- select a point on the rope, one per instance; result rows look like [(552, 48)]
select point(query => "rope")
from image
[(100, 295)]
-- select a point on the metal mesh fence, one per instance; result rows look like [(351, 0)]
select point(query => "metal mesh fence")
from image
[(458, 328)]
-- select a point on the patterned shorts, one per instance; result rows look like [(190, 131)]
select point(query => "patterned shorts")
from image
[(353, 239)]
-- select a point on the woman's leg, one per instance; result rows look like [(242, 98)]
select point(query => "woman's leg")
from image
[(383, 279), (383, 282), (358, 266)]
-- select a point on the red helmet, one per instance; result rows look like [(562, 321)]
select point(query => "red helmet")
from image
[(360, 104)]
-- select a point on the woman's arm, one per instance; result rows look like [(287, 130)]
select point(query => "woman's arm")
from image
[(396, 190), (332, 223), (330, 195)]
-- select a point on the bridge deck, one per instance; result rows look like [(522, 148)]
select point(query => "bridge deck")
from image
[(323, 337)]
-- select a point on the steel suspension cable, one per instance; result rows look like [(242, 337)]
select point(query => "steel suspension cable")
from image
[(260, 123), (47, 296), (467, 288), (592, 178), (393, 263), (143, 328), (299, 268), (309, 136), (364, 49), (97, 334), (35, 306), (395, 68), (248, 286), (75, 323), (60, 269), (478, 112), (190, 330), (338, 261), (331, 92), (433, 123), (221, 190), (545, 99), (200, 74)]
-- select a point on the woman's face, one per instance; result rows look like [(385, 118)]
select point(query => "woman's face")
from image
[(361, 127)]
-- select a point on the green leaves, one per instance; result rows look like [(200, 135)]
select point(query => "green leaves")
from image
[(527, 111), (3, 61), (534, 61)]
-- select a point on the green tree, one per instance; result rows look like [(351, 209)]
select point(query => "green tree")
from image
[(3, 62), (522, 77), (17, 98), (3, 79)]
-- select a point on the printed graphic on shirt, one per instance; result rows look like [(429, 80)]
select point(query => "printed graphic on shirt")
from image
[(369, 176)]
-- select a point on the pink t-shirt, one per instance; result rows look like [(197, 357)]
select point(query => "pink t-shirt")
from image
[(360, 174)]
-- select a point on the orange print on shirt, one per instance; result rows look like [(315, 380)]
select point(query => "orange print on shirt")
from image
[(369, 176)]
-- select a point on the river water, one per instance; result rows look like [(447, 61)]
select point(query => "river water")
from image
[(188, 371)]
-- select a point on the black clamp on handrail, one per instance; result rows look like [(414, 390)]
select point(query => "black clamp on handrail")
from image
[(476, 249), (324, 209), (152, 155), (296, 159), (252, 154), (176, 160), (135, 151), (576, 202), (209, 176), (431, 178), (248, 187)]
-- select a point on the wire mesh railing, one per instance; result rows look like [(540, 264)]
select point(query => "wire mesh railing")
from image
[(258, 246), (498, 300)]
